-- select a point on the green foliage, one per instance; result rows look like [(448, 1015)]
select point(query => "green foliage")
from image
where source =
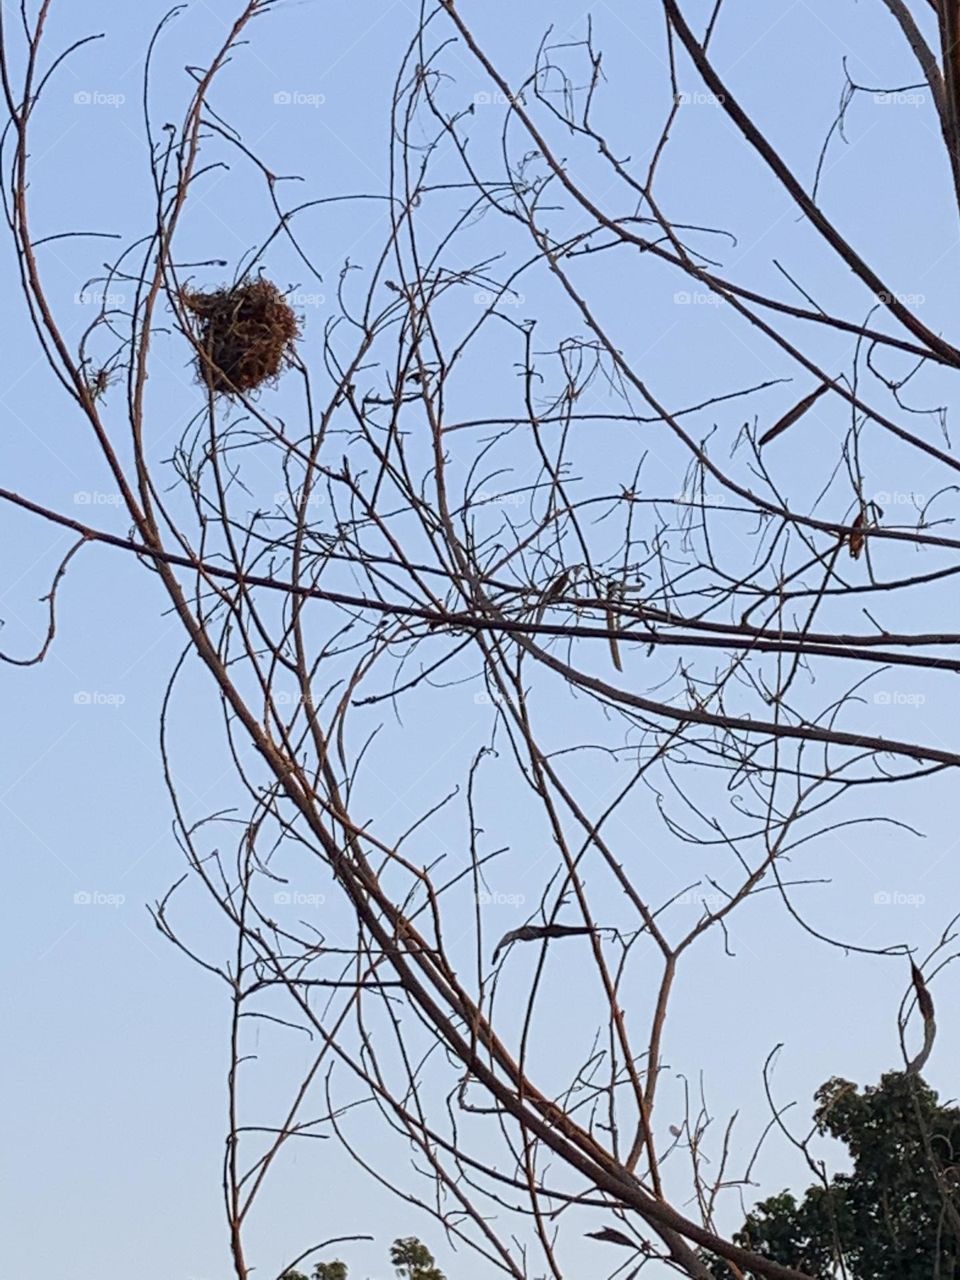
[(336, 1270), (411, 1258), (896, 1215), (414, 1261)]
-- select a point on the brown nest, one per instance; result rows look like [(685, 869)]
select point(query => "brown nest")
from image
[(246, 335)]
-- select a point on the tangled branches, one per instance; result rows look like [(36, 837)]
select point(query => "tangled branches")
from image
[(494, 621)]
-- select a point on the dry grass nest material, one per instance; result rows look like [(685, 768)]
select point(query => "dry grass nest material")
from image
[(246, 335)]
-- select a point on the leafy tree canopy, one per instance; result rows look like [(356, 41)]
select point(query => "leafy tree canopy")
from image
[(411, 1259), (896, 1215)]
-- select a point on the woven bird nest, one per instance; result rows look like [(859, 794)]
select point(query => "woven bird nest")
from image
[(246, 335)]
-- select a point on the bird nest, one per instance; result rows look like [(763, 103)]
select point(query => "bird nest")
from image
[(246, 335)]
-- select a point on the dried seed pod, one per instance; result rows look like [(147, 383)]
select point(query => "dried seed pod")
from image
[(856, 536)]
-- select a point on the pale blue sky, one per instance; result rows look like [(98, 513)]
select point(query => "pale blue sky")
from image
[(115, 1047)]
